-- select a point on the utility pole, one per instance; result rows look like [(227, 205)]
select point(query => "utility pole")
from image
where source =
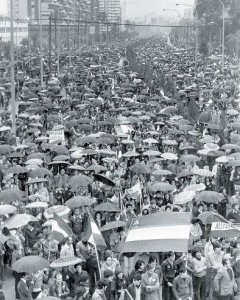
[(41, 42), (13, 100), (50, 43)]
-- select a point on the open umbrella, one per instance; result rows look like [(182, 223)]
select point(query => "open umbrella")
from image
[(189, 158), (35, 180), (79, 181), (49, 298), (59, 149), (34, 161), (161, 172), (209, 197), (79, 201), (152, 153), (19, 220), (40, 172), (37, 155), (169, 156), (103, 179), (96, 168), (7, 209), (183, 197), (30, 264), (198, 187), (231, 147), (10, 195), (207, 217), (37, 204), (60, 210), (203, 173), (66, 262), (5, 149), (161, 187), (61, 157), (130, 154), (113, 225), (16, 170), (107, 206), (140, 168)]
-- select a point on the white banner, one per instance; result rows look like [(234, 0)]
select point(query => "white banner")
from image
[(224, 226), (56, 135)]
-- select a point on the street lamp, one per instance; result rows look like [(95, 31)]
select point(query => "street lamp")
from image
[(223, 33), (180, 18), (196, 33)]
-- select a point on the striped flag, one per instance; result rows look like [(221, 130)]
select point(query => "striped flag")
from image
[(93, 234), (60, 230), (223, 228), (159, 232)]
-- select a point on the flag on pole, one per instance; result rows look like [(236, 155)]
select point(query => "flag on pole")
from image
[(223, 228), (60, 230), (135, 191), (93, 234), (159, 232)]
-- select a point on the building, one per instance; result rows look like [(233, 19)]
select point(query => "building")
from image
[(111, 9), (20, 9), (20, 30)]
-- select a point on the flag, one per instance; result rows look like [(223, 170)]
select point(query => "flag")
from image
[(93, 234), (223, 228), (135, 191), (159, 232), (60, 230)]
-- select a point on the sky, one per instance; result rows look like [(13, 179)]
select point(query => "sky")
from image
[(141, 8), (3, 7), (136, 8)]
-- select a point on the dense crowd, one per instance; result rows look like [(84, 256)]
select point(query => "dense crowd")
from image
[(102, 142)]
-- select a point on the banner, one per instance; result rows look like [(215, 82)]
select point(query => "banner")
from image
[(56, 135), (222, 228)]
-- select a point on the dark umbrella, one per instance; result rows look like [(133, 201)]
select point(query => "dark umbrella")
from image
[(103, 179)]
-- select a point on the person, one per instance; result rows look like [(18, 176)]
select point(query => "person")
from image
[(135, 289), (59, 288), (120, 283), (152, 262), (139, 268), (234, 214), (44, 291), (24, 291), (150, 282), (67, 249), (169, 271), (182, 285), (82, 293), (110, 262), (199, 275), (99, 293), (215, 262), (80, 277), (224, 281)]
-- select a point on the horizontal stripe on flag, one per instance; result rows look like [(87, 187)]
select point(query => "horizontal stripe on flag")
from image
[(159, 233), (163, 219), (175, 245), (94, 228), (57, 228)]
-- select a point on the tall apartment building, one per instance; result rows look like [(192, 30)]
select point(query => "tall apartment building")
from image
[(20, 9), (111, 9)]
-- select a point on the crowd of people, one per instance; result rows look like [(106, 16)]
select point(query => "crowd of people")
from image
[(101, 141)]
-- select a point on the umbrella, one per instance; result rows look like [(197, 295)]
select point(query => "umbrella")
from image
[(185, 174), (5, 149), (161, 187), (169, 156), (151, 141), (78, 181), (96, 168), (209, 197), (127, 142), (66, 262), (7, 209), (37, 204), (198, 187), (161, 172), (35, 180), (170, 143), (107, 206), (37, 155), (16, 155), (79, 201), (34, 161), (225, 160), (30, 264), (60, 210), (231, 147), (40, 172), (183, 197), (19, 220), (140, 168), (152, 153), (130, 154), (103, 179), (203, 173), (189, 158), (10, 195), (61, 157), (113, 225), (59, 149), (16, 170), (76, 167), (207, 217)]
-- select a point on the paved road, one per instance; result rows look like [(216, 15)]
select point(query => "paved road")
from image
[(9, 286)]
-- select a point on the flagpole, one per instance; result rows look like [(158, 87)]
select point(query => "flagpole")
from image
[(98, 263)]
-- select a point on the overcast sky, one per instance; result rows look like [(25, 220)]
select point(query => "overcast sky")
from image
[(136, 8), (141, 8)]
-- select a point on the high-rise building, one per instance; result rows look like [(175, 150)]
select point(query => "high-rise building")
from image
[(111, 9), (20, 9)]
